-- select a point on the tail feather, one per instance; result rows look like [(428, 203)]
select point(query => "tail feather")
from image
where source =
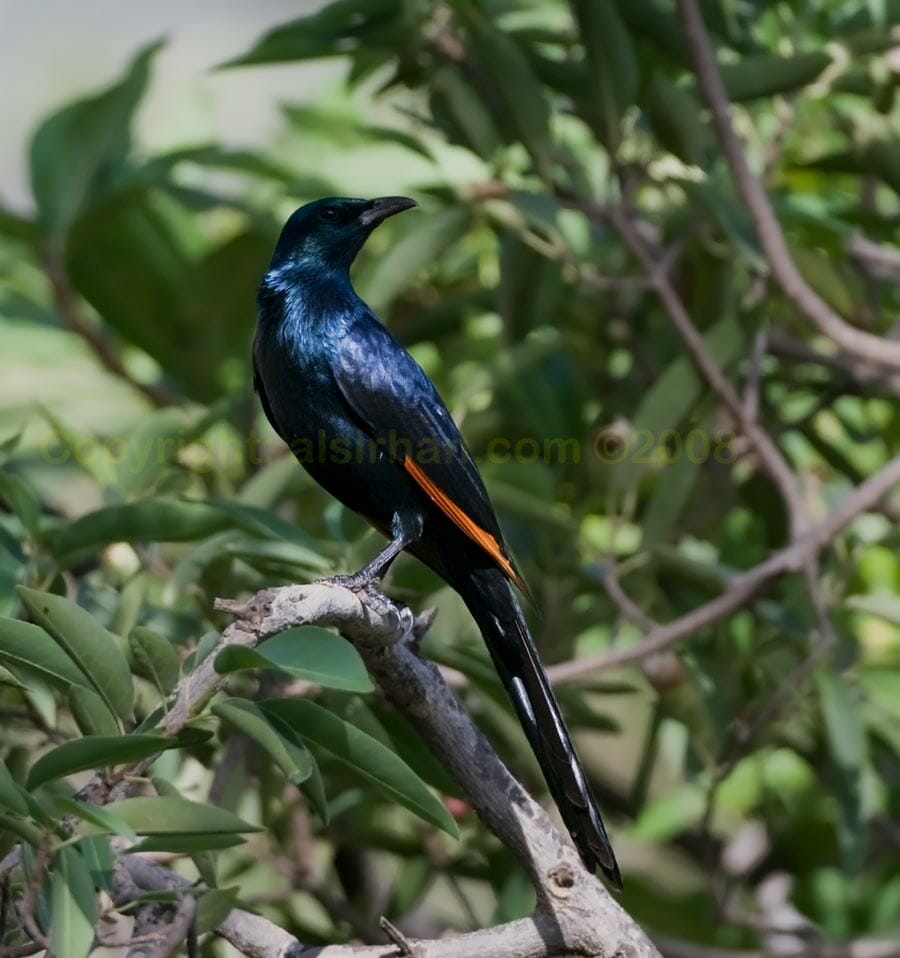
[(494, 607)]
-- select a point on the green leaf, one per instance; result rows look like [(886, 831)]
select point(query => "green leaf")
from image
[(306, 652), (612, 67), (421, 247), (882, 157), (314, 789), (79, 150), (91, 714), (22, 643), (96, 815), (516, 898), (199, 847), (155, 443), (668, 500), (158, 520), (338, 28), (843, 724), (462, 113), (170, 520), (271, 735), (366, 756), (169, 815), (675, 392), (882, 686), (21, 500), (834, 281), (94, 751), (410, 884), (88, 643), (11, 796), (193, 845), (214, 906), (155, 658), (283, 559), (129, 257), (262, 523), (765, 75), (512, 81), (19, 228), (9, 679), (670, 814), (73, 905), (99, 859), (206, 645), (881, 605), (675, 114), (393, 730), (21, 827)]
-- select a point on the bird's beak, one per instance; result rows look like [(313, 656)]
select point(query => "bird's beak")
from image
[(377, 210)]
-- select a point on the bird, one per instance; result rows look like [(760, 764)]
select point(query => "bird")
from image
[(364, 419)]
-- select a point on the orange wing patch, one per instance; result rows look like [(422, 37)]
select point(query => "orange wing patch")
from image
[(471, 528)]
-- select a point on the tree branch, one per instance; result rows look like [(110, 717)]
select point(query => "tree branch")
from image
[(770, 456), (67, 308), (575, 913), (792, 558), (874, 379), (874, 349)]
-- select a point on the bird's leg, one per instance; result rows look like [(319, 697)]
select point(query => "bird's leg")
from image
[(376, 570), (405, 533)]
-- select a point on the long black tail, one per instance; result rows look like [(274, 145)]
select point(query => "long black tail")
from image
[(494, 607)]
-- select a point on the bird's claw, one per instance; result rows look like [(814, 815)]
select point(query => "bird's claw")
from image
[(355, 583), (366, 589)]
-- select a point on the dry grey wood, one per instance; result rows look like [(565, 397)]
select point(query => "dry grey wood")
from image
[(575, 913)]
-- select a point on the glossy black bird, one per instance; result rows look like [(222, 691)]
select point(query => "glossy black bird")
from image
[(367, 423)]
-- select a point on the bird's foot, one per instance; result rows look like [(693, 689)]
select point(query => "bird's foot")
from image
[(357, 583), (367, 588)]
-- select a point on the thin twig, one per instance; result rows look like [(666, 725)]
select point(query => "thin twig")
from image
[(70, 313), (754, 376), (743, 587), (575, 913), (404, 945), (874, 349), (28, 899), (770, 456), (21, 951), (873, 379)]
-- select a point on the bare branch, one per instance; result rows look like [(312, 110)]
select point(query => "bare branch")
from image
[(770, 457), (874, 378), (575, 913), (874, 349), (165, 942), (67, 306), (881, 260), (754, 376), (793, 558), (27, 901)]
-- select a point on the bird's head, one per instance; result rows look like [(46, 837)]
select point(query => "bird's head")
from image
[(330, 232)]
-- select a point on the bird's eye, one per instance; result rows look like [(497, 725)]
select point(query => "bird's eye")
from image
[(328, 213)]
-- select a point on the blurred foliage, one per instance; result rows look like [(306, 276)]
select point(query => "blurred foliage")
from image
[(138, 480)]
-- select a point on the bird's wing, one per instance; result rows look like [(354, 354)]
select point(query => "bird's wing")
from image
[(264, 400), (389, 392)]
